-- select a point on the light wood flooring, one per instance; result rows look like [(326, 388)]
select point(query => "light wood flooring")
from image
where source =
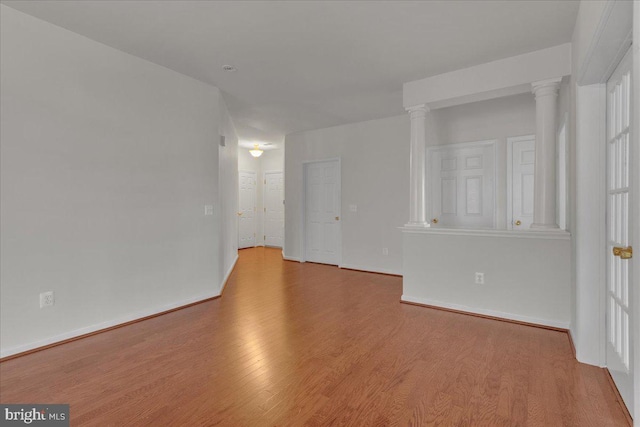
[(294, 344)]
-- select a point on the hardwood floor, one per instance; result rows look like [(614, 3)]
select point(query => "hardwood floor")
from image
[(293, 344)]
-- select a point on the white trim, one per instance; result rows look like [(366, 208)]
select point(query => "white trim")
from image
[(468, 144), (471, 144), (519, 234), (589, 229), (290, 258), (510, 141), (635, 165), (485, 312), (370, 269), (303, 198), (609, 43), (489, 80), (228, 273), (104, 325), (115, 322)]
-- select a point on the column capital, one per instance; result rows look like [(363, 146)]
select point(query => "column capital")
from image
[(546, 87), (418, 110)]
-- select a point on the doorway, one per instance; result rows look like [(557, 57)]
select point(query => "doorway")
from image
[(273, 209), (247, 209), (462, 184), (620, 223), (521, 153), (322, 231)]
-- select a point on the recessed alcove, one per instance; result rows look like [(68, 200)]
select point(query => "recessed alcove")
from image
[(484, 190)]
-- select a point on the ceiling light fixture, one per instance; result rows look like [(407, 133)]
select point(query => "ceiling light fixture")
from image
[(229, 68), (256, 152)]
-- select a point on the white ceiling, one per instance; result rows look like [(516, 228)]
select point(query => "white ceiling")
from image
[(312, 64)]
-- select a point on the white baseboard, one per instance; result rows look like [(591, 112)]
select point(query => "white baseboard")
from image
[(108, 324), (371, 269), (104, 325), (228, 273), (290, 258), (485, 312)]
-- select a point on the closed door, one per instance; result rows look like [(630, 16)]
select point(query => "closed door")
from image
[(521, 158), (620, 223), (247, 210), (322, 212), (273, 209), (462, 189)]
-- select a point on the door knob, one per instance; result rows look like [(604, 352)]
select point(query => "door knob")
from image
[(239, 213), (337, 218), (434, 220), (623, 253), (518, 222)]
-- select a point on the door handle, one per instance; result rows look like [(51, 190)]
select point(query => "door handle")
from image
[(239, 213), (518, 222), (434, 220), (337, 218), (623, 253)]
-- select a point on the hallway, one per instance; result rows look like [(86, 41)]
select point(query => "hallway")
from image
[(307, 344)]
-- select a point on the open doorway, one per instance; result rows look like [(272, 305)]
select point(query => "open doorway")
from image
[(265, 226)]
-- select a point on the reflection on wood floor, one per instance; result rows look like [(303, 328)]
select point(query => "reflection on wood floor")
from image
[(306, 344)]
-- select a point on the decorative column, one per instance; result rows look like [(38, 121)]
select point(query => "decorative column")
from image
[(417, 169), (544, 180)]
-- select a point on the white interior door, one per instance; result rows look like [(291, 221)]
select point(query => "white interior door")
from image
[(521, 153), (247, 210), (620, 223), (462, 185), (273, 209), (322, 212)]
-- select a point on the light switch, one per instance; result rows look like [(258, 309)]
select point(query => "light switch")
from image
[(353, 208), (208, 210)]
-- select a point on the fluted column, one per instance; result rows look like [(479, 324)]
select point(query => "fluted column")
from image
[(544, 187), (417, 169)]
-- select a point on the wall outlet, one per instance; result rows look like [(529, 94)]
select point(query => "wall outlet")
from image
[(385, 251), (479, 278), (208, 210), (46, 299), (353, 208)]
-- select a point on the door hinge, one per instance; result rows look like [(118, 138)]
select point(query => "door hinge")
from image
[(265, 237), (265, 181), (265, 209)]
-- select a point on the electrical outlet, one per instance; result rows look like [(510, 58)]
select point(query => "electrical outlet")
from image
[(46, 299), (208, 210), (479, 278), (353, 208), (385, 251)]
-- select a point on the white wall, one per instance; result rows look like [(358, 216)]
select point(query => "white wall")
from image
[(107, 162), (228, 189), (527, 275), (271, 160), (375, 175), (375, 178)]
